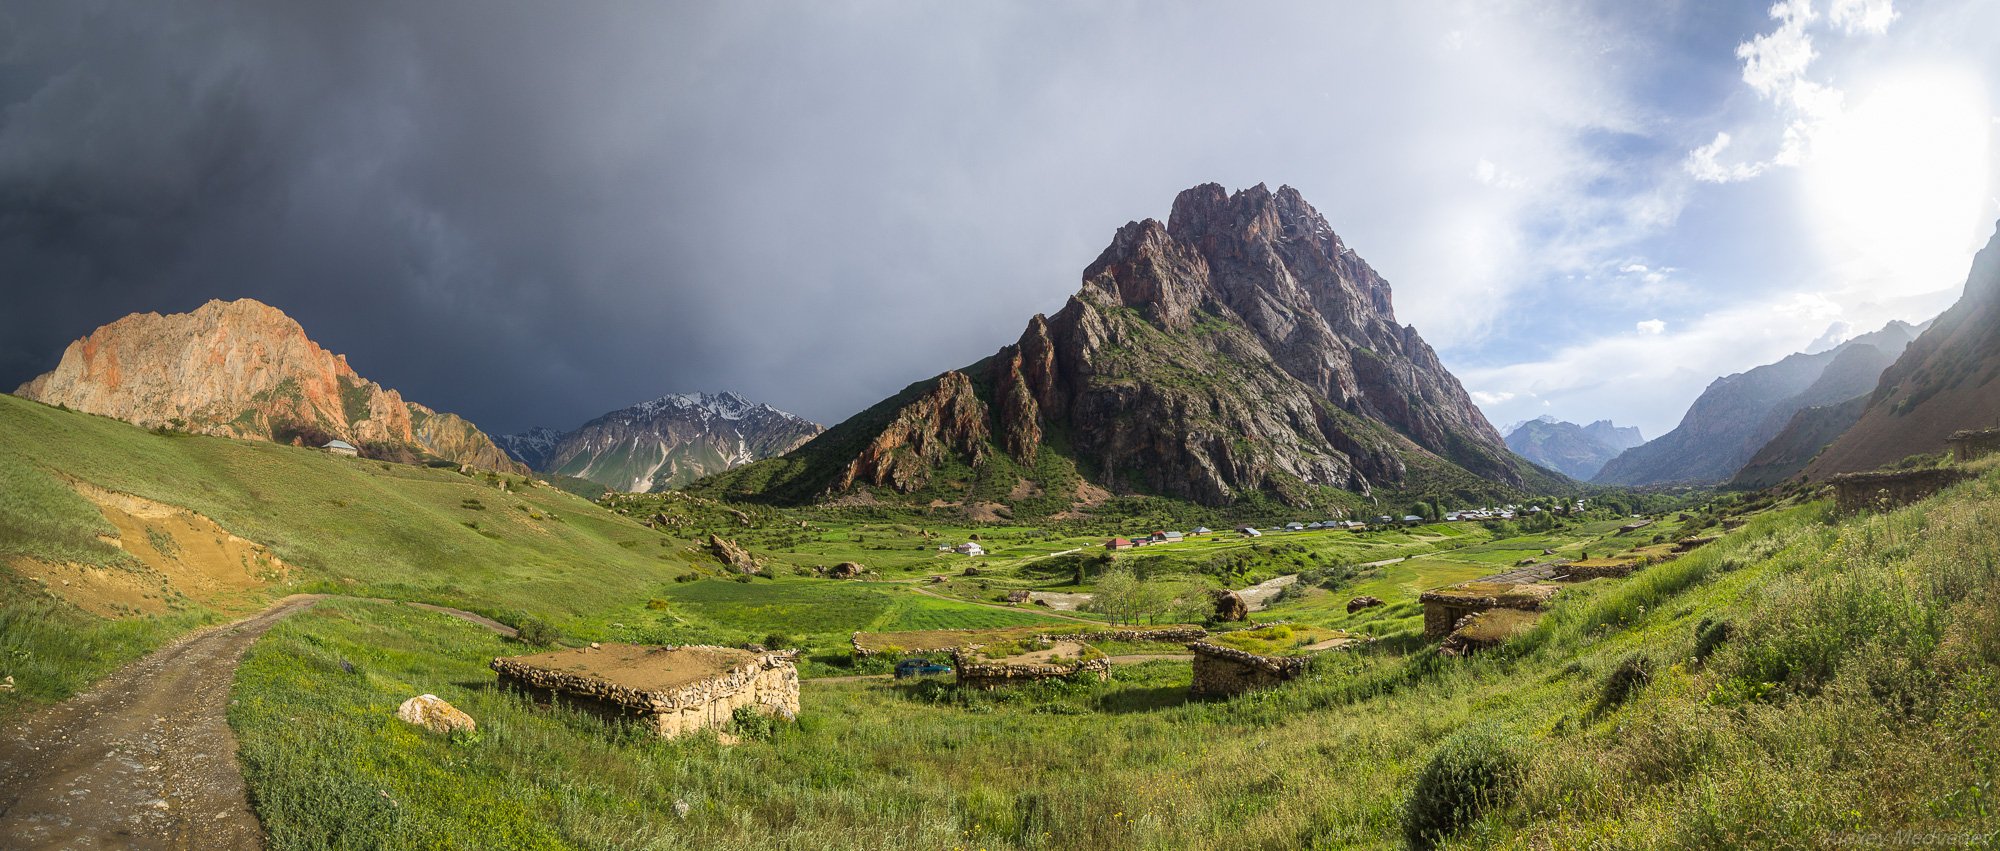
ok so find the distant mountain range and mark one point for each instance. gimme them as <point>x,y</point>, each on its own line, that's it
<point>1570,449</point>
<point>244,369</point>
<point>664,443</point>
<point>1241,347</point>
<point>1943,382</point>
<point>1739,414</point>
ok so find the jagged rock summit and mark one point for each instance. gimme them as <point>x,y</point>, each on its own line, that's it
<point>244,369</point>
<point>1238,347</point>
<point>666,442</point>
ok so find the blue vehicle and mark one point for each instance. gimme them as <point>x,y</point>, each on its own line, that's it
<point>919,668</point>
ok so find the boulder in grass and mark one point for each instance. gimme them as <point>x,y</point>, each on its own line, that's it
<point>431,713</point>
<point>1363,602</point>
<point>1230,606</point>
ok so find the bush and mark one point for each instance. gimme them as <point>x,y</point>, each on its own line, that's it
<point>538,632</point>
<point>750,723</point>
<point>1626,678</point>
<point>1709,636</point>
<point>1475,770</point>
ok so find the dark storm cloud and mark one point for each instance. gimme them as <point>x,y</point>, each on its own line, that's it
<point>531,213</point>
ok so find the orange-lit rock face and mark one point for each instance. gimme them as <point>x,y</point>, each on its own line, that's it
<point>244,369</point>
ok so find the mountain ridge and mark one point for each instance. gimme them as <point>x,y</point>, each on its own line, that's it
<point>1573,450</point>
<point>1738,414</point>
<point>1940,383</point>
<point>1239,347</point>
<point>665,442</point>
<point>245,369</point>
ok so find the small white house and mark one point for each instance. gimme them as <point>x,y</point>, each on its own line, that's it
<point>1201,530</point>
<point>1250,532</point>
<point>970,548</point>
<point>1295,527</point>
<point>342,447</point>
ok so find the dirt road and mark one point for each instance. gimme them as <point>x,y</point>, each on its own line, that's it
<point>145,759</point>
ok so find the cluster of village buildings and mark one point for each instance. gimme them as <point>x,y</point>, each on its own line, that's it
<point>1504,512</point>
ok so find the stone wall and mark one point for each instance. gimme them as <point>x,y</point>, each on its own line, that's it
<point>987,675</point>
<point>1223,671</point>
<point>1166,635</point>
<point>768,681</point>
<point>1973,444</point>
<point>1445,607</point>
<point>1858,492</point>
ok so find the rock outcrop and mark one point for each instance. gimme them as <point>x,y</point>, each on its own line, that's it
<point>244,369</point>
<point>733,555</point>
<point>1942,383</point>
<point>1239,347</point>
<point>665,443</point>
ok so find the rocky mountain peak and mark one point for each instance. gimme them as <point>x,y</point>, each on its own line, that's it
<point>1239,346</point>
<point>245,369</point>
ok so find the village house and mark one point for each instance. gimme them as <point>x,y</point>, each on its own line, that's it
<point>970,548</point>
<point>1202,530</point>
<point>342,448</point>
<point>1167,537</point>
<point>670,690</point>
<point>1118,544</point>
<point>1295,527</point>
<point>1445,607</point>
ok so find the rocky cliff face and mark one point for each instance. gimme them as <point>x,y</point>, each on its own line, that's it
<point>1942,383</point>
<point>1241,346</point>
<point>664,443</point>
<point>1570,449</point>
<point>244,369</point>
<point>1738,414</point>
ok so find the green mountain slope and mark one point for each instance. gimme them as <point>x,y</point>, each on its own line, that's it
<point>352,526</point>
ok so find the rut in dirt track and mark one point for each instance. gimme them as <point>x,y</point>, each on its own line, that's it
<point>145,759</point>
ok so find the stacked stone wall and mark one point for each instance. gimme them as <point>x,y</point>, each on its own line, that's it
<point>1857,492</point>
<point>769,682</point>
<point>1223,671</point>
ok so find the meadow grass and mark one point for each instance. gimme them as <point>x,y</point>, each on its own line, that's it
<point>1854,696</point>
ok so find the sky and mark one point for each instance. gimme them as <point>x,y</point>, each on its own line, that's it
<point>533,213</point>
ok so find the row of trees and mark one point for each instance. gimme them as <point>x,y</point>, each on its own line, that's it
<point>1127,599</point>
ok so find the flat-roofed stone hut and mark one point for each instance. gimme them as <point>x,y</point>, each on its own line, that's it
<point>1973,444</point>
<point>1873,491</point>
<point>672,690</point>
<point>981,667</point>
<point>1221,670</point>
<point>1445,607</point>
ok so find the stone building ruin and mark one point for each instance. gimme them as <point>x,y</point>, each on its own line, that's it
<point>671,690</point>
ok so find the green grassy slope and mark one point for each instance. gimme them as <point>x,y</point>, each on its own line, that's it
<point>349,526</point>
<point>1853,695</point>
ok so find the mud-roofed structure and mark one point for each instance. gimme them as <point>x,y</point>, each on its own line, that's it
<point>672,690</point>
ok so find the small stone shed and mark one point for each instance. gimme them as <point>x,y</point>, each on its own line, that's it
<point>1858,492</point>
<point>1061,659</point>
<point>1221,671</point>
<point>1973,444</point>
<point>1445,607</point>
<point>672,690</point>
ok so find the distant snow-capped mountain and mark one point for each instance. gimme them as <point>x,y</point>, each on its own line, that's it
<point>664,443</point>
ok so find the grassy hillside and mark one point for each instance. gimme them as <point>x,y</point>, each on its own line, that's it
<point>345,525</point>
<point>1800,683</point>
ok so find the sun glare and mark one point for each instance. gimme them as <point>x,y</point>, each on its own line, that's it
<point>1898,180</point>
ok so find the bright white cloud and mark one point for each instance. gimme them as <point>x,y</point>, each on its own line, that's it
<point>1652,326</point>
<point>1486,398</point>
<point>1705,165</point>
<point>1859,16</point>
